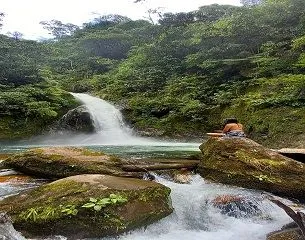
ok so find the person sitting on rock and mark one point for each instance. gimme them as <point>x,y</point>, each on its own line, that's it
<point>232,128</point>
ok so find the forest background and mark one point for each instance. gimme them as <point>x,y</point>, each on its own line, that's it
<point>178,77</point>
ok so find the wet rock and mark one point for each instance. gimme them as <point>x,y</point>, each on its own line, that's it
<point>86,206</point>
<point>59,162</point>
<point>243,162</point>
<point>237,206</point>
<point>182,176</point>
<point>7,231</point>
<point>297,216</point>
<point>77,120</point>
<point>288,234</point>
<point>4,156</point>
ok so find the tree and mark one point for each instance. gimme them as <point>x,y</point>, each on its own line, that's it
<point>59,29</point>
<point>153,13</point>
<point>106,21</point>
<point>1,18</point>
<point>250,2</point>
<point>214,12</point>
<point>16,35</point>
<point>177,19</point>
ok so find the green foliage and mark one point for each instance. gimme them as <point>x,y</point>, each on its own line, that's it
<point>28,109</point>
<point>98,204</point>
<point>31,214</point>
<point>1,18</point>
<point>59,29</point>
<point>175,78</point>
<point>69,210</point>
<point>19,61</point>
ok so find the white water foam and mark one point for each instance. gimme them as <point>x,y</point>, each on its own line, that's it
<point>110,129</point>
<point>195,217</point>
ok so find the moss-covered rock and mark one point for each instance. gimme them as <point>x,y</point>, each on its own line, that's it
<point>59,162</point>
<point>4,156</point>
<point>59,207</point>
<point>243,162</point>
<point>77,120</point>
<point>288,234</point>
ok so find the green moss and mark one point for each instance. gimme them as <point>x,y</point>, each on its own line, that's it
<point>113,158</point>
<point>37,151</point>
<point>14,127</point>
<point>87,152</point>
<point>153,194</point>
<point>244,163</point>
<point>53,163</point>
<point>60,198</point>
<point>274,127</point>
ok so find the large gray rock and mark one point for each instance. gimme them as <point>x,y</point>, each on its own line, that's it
<point>243,162</point>
<point>59,208</point>
<point>77,120</point>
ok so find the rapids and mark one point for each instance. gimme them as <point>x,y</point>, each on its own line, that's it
<point>194,216</point>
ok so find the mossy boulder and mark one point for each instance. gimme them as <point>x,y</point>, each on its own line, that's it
<point>60,162</point>
<point>58,208</point>
<point>77,120</point>
<point>287,234</point>
<point>243,162</point>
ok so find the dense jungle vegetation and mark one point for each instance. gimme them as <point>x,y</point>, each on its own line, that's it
<point>178,77</point>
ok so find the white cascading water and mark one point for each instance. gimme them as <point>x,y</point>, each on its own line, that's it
<point>194,216</point>
<point>110,128</point>
<point>108,120</point>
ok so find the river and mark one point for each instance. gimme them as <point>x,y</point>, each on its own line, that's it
<point>194,216</point>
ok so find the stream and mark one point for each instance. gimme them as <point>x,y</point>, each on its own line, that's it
<point>195,216</point>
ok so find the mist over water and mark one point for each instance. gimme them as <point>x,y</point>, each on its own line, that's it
<point>110,129</point>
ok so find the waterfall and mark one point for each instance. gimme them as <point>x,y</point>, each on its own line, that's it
<point>108,120</point>
<point>108,123</point>
<point>110,130</point>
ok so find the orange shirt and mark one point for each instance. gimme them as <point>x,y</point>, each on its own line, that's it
<point>232,127</point>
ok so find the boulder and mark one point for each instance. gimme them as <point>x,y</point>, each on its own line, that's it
<point>297,154</point>
<point>77,120</point>
<point>59,162</point>
<point>88,206</point>
<point>182,176</point>
<point>7,231</point>
<point>243,162</point>
<point>286,234</point>
<point>237,206</point>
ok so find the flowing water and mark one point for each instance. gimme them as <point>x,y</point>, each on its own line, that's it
<point>194,217</point>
